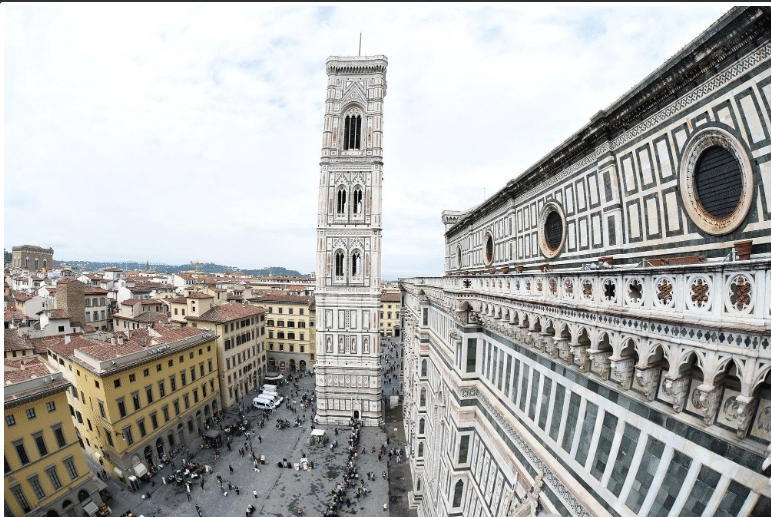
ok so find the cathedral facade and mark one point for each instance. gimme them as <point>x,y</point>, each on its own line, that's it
<point>599,344</point>
<point>349,229</point>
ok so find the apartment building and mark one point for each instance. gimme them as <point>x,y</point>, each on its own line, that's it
<point>134,400</point>
<point>290,324</point>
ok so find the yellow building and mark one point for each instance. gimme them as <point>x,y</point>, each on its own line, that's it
<point>45,470</point>
<point>241,354</point>
<point>194,303</point>
<point>290,323</point>
<point>97,308</point>
<point>390,314</point>
<point>135,400</point>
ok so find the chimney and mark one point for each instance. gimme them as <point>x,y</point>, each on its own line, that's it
<point>112,341</point>
<point>120,340</point>
<point>66,338</point>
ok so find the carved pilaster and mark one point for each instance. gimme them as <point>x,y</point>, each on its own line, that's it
<point>648,377</point>
<point>621,370</point>
<point>745,411</point>
<point>678,390</point>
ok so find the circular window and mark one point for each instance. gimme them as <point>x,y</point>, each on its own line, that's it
<point>551,230</point>
<point>716,181</point>
<point>489,248</point>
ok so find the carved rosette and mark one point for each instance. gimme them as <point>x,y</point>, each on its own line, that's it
<point>744,414</point>
<point>709,400</point>
<point>621,370</point>
<point>678,390</point>
<point>648,377</point>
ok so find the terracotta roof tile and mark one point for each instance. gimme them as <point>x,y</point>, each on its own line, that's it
<point>199,295</point>
<point>391,297</point>
<point>228,312</point>
<point>13,341</point>
<point>25,370</point>
<point>56,314</point>
<point>94,290</point>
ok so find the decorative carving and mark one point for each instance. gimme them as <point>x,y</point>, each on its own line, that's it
<point>664,291</point>
<point>539,286</point>
<point>635,292</point>
<point>699,293</point>
<point>601,362</point>
<point>587,288</point>
<point>677,390</point>
<point>648,377</point>
<point>745,411</point>
<point>741,292</point>
<point>553,286</point>
<point>706,400</point>
<point>569,287</point>
<point>622,369</point>
<point>580,356</point>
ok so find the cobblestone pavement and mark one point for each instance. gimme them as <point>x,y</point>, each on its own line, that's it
<point>280,492</point>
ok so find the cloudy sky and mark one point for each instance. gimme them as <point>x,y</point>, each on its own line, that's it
<point>173,133</point>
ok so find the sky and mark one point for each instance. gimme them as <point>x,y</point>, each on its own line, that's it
<point>174,133</point>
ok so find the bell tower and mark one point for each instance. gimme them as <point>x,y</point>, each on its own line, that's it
<point>349,229</point>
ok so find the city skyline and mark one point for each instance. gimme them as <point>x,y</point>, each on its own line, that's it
<point>176,137</point>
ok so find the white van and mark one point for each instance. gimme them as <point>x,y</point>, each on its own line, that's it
<point>262,404</point>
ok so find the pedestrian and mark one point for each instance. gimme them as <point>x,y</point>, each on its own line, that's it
<point>384,475</point>
<point>255,494</point>
<point>152,480</point>
<point>238,492</point>
<point>201,483</point>
<point>198,510</point>
<point>188,496</point>
<point>231,468</point>
<point>260,437</point>
<point>379,455</point>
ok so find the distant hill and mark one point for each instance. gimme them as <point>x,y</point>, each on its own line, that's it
<point>85,265</point>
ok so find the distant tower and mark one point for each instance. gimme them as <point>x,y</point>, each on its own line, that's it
<point>348,245</point>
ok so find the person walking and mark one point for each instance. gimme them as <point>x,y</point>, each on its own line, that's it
<point>198,510</point>
<point>231,468</point>
<point>255,494</point>
<point>188,496</point>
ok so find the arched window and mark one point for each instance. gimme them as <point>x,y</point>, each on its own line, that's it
<point>339,264</point>
<point>422,426</point>
<point>45,264</point>
<point>342,196</point>
<point>356,263</point>
<point>420,450</point>
<point>424,368</point>
<point>26,262</point>
<point>36,264</point>
<point>352,138</point>
<point>419,485</point>
<point>456,499</point>
<point>422,397</point>
<point>358,207</point>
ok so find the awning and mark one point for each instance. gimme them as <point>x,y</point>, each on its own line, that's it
<point>97,455</point>
<point>140,470</point>
<point>212,433</point>
<point>318,432</point>
<point>91,508</point>
<point>118,472</point>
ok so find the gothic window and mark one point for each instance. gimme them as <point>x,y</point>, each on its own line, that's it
<point>356,263</point>
<point>341,200</point>
<point>358,207</point>
<point>458,496</point>
<point>352,138</point>
<point>339,262</point>
<point>488,250</point>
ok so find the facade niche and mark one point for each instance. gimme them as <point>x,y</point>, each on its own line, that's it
<point>352,140</point>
